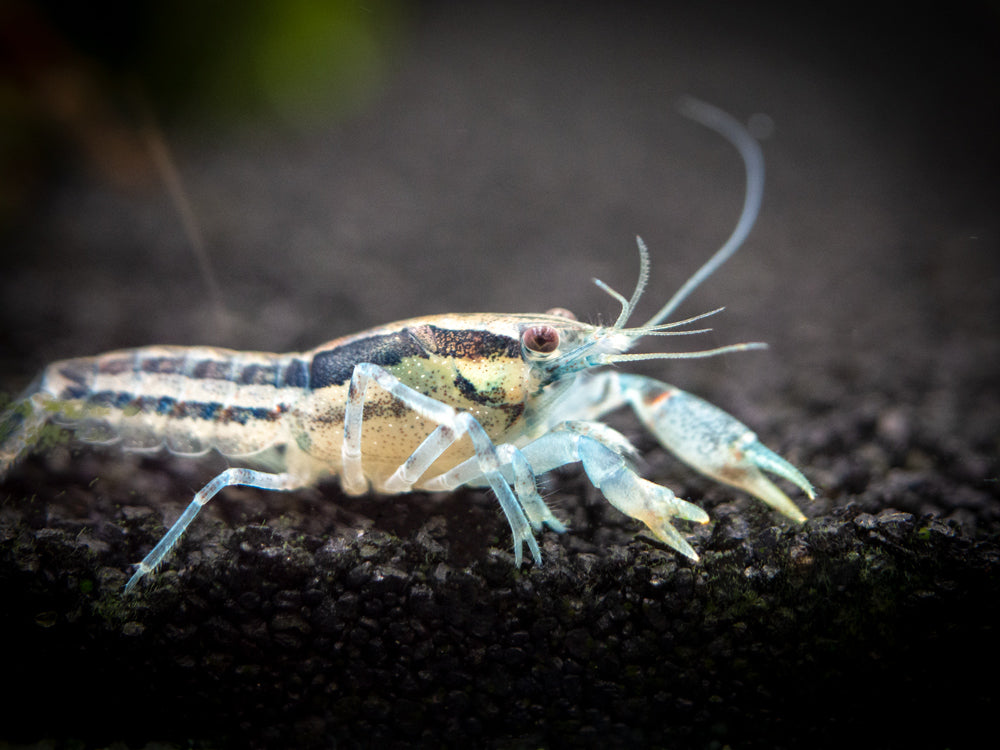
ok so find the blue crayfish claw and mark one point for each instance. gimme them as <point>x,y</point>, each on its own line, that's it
<point>713,442</point>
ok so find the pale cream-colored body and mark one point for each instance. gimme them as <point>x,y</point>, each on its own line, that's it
<point>428,403</point>
<point>498,396</point>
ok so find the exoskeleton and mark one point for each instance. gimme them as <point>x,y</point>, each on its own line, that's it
<point>491,400</point>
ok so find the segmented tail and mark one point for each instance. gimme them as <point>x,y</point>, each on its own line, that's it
<point>188,400</point>
<point>20,428</point>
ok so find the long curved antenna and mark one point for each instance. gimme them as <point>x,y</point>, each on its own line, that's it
<point>753,161</point>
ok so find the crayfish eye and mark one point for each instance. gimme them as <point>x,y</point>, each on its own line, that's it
<point>561,312</point>
<point>541,339</point>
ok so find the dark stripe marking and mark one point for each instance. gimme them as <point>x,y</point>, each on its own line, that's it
<point>492,397</point>
<point>473,344</point>
<point>296,375</point>
<point>162,365</point>
<point>257,375</point>
<point>212,369</point>
<point>293,374</point>
<point>495,398</point>
<point>335,366</point>
<point>77,370</point>
<point>171,407</point>
<point>108,366</point>
<point>198,410</point>
<point>105,399</point>
<point>73,392</point>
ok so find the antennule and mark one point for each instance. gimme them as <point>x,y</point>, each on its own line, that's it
<point>640,284</point>
<point>628,306</point>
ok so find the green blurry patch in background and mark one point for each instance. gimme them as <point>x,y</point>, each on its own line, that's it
<point>298,60</point>
<point>78,81</point>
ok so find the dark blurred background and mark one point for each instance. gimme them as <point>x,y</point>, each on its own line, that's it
<point>494,156</point>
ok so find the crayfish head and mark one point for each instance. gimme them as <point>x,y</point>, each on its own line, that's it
<point>556,344</point>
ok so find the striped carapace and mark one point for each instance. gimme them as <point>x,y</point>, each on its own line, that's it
<point>426,404</point>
